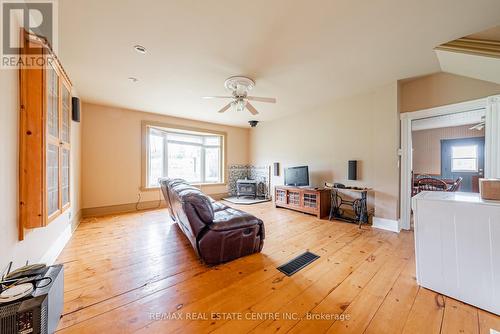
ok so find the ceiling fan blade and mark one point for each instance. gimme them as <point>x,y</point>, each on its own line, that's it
<point>251,108</point>
<point>262,99</point>
<point>217,97</point>
<point>478,127</point>
<point>226,107</point>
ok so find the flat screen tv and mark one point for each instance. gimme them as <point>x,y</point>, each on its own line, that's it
<point>297,176</point>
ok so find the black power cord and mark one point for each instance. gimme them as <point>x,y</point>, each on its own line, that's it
<point>139,197</point>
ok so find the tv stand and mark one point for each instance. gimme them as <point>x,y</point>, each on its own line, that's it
<point>304,199</point>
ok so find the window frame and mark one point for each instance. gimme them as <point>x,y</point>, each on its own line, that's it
<point>179,129</point>
<point>476,158</point>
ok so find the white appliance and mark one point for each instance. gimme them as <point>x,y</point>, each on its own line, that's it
<point>457,245</point>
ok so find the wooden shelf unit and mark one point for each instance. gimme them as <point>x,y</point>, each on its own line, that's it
<point>307,200</point>
<point>44,137</point>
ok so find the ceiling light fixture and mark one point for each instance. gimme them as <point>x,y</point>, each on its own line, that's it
<point>133,79</point>
<point>141,49</point>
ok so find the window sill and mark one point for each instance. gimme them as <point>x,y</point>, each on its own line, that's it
<point>193,184</point>
<point>213,184</point>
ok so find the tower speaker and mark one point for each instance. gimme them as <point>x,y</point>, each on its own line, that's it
<point>352,170</point>
<point>75,109</point>
<point>276,169</point>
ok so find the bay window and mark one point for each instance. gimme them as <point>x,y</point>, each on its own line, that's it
<point>194,156</point>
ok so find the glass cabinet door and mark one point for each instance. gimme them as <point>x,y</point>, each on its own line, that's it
<point>52,153</point>
<point>65,138</point>
<point>52,173</point>
<point>294,198</point>
<point>65,111</point>
<point>65,176</point>
<point>310,200</point>
<point>52,83</point>
<point>281,196</point>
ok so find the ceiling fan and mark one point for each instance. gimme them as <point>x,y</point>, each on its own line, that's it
<point>480,125</point>
<point>240,86</point>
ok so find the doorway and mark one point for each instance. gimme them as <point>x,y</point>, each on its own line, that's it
<point>448,152</point>
<point>491,108</point>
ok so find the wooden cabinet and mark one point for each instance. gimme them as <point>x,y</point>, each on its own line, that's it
<point>308,200</point>
<point>44,143</point>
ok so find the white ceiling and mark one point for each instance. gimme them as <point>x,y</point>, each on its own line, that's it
<point>305,53</point>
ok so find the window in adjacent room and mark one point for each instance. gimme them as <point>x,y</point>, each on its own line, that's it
<point>196,157</point>
<point>464,158</point>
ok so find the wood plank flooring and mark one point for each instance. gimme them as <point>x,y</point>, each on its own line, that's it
<point>137,273</point>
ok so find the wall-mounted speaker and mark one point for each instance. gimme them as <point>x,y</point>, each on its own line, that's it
<point>276,169</point>
<point>75,109</point>
<point>352,172</point>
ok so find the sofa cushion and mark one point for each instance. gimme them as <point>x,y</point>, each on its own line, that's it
<point>230,218</point>
<point>193,199</point>
<point>217,206</point>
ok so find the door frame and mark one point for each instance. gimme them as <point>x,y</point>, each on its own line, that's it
<point>491,105</point>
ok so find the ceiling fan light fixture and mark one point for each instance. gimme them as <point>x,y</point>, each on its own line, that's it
<point>240,105</point>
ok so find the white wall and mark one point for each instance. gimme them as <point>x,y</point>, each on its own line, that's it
<point>37,242</point>
<point>363,127</point>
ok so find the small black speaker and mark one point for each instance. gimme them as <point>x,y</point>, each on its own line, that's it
<point>75,109</point>
<point>276,169</point>
<point>352,170</point>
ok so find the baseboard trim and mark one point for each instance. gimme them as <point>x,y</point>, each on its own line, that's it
<point>75,222</point>
<point>122,208</point>
<point>50,256</point>
<point>386,224</point>
<point>132,207</point>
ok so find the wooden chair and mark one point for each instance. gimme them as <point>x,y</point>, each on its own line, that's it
<point>456,185</point>
<point>414,189</point>
<point>431,184</point>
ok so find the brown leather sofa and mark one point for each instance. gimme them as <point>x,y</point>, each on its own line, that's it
<point>217,232</point>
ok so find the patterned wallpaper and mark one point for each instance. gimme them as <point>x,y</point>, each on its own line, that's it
<point>259,173</point>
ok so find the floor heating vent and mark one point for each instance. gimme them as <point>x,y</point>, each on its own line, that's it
<point>292,266</point>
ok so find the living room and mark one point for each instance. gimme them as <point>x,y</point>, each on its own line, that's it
<point>254,106</point>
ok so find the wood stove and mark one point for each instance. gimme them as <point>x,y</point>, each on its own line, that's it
<point>246,187</point>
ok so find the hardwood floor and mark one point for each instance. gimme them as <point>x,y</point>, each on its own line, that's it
<point>132,272</point>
